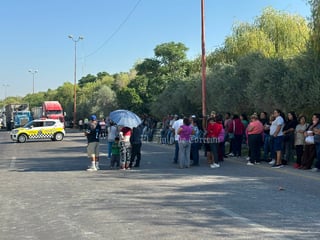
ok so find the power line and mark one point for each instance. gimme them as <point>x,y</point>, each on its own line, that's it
<point>115,31</point>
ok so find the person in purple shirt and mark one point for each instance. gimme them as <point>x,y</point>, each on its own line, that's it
<point>185,131</point>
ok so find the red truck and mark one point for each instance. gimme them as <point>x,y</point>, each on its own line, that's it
<point>52,110</point>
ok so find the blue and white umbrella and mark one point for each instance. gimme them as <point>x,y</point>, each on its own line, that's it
<point>125,118</point>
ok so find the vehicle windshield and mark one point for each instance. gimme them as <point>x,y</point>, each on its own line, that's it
<point>54,112</point>
<point>22,113</point>
<point>29,124</point>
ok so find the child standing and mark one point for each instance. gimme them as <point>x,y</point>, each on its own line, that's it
<point>115,156</point>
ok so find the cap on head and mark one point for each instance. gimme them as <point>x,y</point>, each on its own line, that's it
<point>93,117</point>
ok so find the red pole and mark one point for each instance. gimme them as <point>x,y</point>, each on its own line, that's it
<point>203,66</point>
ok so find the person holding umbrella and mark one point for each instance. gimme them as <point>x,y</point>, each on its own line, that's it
<point>128,120</point>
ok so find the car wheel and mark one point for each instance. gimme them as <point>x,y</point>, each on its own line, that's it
<point>22,138</point>
<point>58,136</point>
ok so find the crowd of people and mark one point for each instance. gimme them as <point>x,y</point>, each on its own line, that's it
<point>275,138</point>
<point>124,143</point>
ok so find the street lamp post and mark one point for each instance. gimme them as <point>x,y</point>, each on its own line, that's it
<point>33,72</point>
<point>5,89</point>
<point>75,40</point>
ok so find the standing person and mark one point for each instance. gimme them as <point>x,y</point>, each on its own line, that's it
<point>213,131</point>
<point>85,123</point>
<point>207,142</point>
<point>228,125</point>
<point>195,143</point>
<point>277,134</point>
<point>80,123</point>
<point>125,150</point>
<point>316,131</point>
<point>255,136</point>
<point>266,137</point>
<point>136,144</point>
<point>309,150</point>
<point>271,142</point>
<point>185,131</point>
<point>266,134</point>
<point>115,157</point>
<point>299,140</point>
<point>175,126</point>
<point>112,134</point>
<point>92,133</point>
<point>103,127</point>
<point>237,128</point>
<point>288,139</point>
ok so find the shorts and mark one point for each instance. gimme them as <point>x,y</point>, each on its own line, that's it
<point>93,149</point>
<point>277,143</point>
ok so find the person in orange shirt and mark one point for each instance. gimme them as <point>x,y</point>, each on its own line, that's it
<point>255,136</point>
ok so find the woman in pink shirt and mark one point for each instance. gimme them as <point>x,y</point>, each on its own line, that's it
<point>255,134</point>
<point>185,131</point>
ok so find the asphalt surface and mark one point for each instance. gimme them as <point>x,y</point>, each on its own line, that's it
<point>47,194</point>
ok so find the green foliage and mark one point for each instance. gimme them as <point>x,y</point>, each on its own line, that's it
<point>87,79</point>
<point>129,99</point>
<point>273,34</point>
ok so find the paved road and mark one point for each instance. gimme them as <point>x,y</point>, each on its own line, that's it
<point>46,194</point>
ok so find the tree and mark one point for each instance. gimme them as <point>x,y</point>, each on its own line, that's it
<point>315,28</point>
<point>104,102</point>
<point>274,34</point>
<point>127,98</point>
<point>87,79</point>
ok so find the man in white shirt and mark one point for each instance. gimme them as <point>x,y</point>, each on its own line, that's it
<point>175,126</point>
<point>277,134</point>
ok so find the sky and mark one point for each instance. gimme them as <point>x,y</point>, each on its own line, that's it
<point>116,35</point>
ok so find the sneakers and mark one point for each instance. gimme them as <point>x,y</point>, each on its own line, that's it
<point>215,165</point>
<point>315,170</point>
<point>250,164</point>
<point>248,158</point>
<point>272,162</point>
<point>97,166</point>
<point>296,165</point>
<point>277,166</point>
<point>230,155</point>
<point>92,169</point>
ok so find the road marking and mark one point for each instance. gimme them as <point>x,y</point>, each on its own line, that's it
<point>12,163</point>
<point>272,233</point>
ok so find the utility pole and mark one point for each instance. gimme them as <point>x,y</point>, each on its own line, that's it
<point>75,79</point>
<point>203,66</point>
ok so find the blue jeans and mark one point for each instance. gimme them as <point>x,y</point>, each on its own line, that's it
<point>184,154</point>
<point>176,152</point>
<point>317,165</point>
<point>266,147</point>
<point>109,149</point>
<point>214,151</point>
<point>195,152</point>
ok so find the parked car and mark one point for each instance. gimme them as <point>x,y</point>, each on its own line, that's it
<point>39,129</point>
